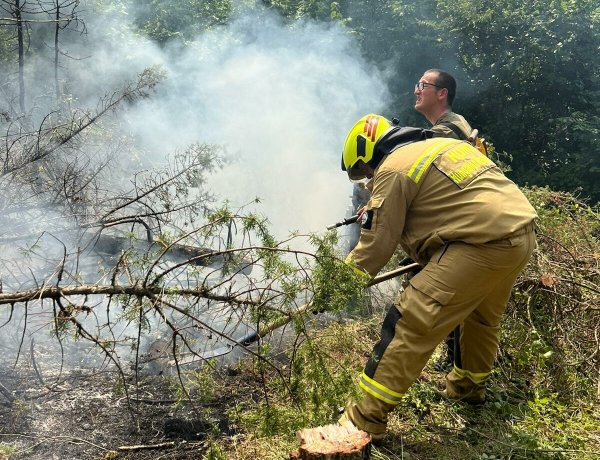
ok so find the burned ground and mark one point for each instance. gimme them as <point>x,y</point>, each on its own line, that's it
<point>85,414</point>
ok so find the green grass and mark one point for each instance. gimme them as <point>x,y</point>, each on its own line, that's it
<point>516,422</point>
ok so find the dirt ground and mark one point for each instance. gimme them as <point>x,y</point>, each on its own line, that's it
<point>82,413</point>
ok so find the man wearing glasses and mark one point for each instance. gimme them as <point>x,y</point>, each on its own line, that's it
<point>435,92</point>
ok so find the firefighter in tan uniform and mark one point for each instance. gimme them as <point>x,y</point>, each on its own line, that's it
<point>453,211</point>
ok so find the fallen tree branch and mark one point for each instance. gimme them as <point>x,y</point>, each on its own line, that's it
<point>6,393</point>
<point>42,439</point>
<point>34,363</point>
<point>57,292</point>
<point>162,445</point>
<point>155,401</point>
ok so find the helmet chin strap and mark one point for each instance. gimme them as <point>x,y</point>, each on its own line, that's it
<point>396,137</point>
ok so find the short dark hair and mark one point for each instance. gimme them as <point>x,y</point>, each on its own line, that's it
<point>445,80</point>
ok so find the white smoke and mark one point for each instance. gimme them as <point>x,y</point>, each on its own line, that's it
<point>280,98</point>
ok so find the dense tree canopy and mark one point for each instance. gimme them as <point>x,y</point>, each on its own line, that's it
<point>528,73</point>
<point>163,20</point>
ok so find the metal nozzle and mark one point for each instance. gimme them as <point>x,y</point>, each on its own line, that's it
<point>348,221</point>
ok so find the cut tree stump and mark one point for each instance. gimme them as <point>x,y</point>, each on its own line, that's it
<point>332,442</point>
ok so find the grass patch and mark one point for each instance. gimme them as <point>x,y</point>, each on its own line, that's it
<point>542,396</point>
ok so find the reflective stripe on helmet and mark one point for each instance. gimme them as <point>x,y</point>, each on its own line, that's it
<point>371,123</point>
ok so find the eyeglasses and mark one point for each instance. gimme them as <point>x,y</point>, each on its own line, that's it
<point>423,84</point>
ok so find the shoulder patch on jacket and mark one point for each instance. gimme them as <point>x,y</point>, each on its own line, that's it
<point>463,163</point>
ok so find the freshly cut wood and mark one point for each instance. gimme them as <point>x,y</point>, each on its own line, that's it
<point>332,442</point>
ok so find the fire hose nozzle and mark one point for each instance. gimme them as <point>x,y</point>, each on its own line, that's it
<point>348,221</point>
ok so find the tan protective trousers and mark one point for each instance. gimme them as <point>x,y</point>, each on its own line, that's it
<point>463,284</point>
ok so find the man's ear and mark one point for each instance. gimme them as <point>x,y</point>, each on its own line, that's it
<point>443,93</point>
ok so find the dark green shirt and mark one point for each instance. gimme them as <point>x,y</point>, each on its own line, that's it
<point>450,124</point>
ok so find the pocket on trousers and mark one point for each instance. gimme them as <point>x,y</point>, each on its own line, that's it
<point>421,305</point>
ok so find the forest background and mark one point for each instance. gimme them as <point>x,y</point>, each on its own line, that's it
<point>528,73</point>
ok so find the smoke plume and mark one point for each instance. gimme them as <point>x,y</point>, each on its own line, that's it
<point>279,97</point>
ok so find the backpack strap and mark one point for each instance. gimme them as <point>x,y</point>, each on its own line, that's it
<point>473,139</point>
<point>455,129</point>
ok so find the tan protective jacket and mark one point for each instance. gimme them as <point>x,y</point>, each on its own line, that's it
<point>433,192</point>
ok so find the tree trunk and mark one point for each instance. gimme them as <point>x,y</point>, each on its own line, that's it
<point>21,46</point>
<point>56,53</point>
<point>332,442</point>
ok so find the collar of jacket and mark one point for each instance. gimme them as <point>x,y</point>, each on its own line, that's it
<point>395,138</point>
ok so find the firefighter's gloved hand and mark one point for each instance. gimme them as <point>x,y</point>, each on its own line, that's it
<point>362,274</point>
<point>406,261</point>
<point>404,282</point>
<point>407,277</point>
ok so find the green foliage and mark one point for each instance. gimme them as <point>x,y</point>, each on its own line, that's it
<point>133,313</point>
<point>202,382</point>
<point>335,284</point>
<point>532,62</point>
<point>273,261</point>
<point>528,73</point>
<point>325,10</point>
<point>215,452</point>
<point>164,21</point>
<point>321,380</point>
<point>7,449</point>
<point>552,329</point>
<point>548,414</point>
<point>318,381</point>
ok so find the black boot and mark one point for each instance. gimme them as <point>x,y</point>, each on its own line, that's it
<point>445,363</point>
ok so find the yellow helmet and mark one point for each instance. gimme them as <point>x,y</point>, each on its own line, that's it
<point>361,142</point>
